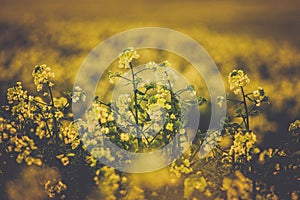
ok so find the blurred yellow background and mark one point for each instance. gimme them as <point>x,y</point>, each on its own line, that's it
<point>260,37</point>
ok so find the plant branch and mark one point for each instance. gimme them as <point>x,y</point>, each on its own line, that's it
<point>135,106</point>
<point>246,110</point>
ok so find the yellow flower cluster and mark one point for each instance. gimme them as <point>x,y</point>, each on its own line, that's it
<point>177,170</point>
<point>294,127</point>
<point>221,100</point>
<point>60,102</point>
<point>133,192</point>
<point>99,152</point>
<point>158,99</point>
<point>98,113</point>
<point>107,181</point>
<point>16,93</point>
<point>126,57</point>
<point>238,187</point>
<point>259,96</point>
<point>163,74</point>
<point>70,135</point>
<point>91,160</point>
<point>124,137</point>
<point>78,94</point>
<point>41,130</point>
<point>65,158</point>
<point>237,79</point>
<point>20,102</point>
<point>113,75</point>
<point>194,183</point>
<point>269,153</point>
<point>169,127</point>
<point>242,145</point>
<point>6,129</point>
<point>53,188</point>
<point>42,75</point>
<point>23,146</point>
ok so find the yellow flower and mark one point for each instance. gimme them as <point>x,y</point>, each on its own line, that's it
<point>65,161</point>
<point>186,162</point>
<point>259,96</point>
<point>166,63</point>
<point>182,131</point>
<point>38,162</point>
<point>42,75</point>
<point>169,127</point>
<point>126,57</point>
<point>59,115</point>
<point>237,79</point>
<point>243,143</point>
<point>78,94</point>
<point>105,130</point>
<point>124,179</point>
<point>102,120</point>
<point>151,65</point>
<point>124,137</point>
<point>168,106</point>
<point>60,156</point>
<point>110,118</point>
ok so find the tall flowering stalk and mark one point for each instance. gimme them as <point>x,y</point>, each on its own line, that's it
<point>242,149</point>
<point>153,107</point>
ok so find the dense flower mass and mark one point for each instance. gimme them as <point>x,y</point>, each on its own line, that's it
<point>42,75</point>
<point>16,93</point>
<point>163,73</point>
<point>238,187</point>
<point>38,130</point>
<point>53,188</point>
<point>237,79</point>
<point>69,135</point>
<point>295,127</point>
<point>107,181</point>
<point>78,94</point>
<point>20,102</point>
<point>242,145</point>
<point>126,57</point>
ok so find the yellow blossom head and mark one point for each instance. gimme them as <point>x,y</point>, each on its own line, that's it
<point>237,79</point>
<point>126,57</point>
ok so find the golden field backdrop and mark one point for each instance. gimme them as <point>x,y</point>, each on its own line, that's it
<point>260,37</point>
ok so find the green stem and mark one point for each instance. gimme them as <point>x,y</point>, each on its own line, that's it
<point>195,153</point>
<point>51,94</point>
<point>55,127</point>
<point>246,110</point>
<point>135,107</point>
<point>233,100</point>
<point>176,140</point>
<point>141,71</point>
<point>251,170</point>
<point>101,102</point>
<point>253,185</point>
<point>124,78</point>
